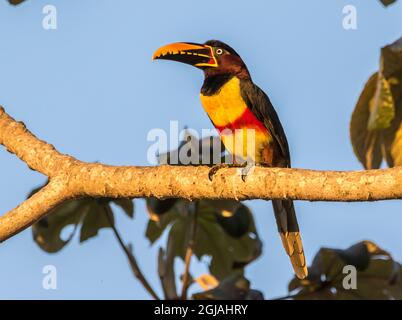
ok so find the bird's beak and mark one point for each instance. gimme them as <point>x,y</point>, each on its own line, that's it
<point>197,55</point>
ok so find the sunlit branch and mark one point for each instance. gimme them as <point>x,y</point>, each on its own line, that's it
<point>71,178</point>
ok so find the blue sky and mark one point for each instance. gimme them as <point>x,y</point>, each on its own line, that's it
<point>90,89</point>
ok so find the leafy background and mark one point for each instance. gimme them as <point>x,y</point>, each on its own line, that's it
<point>71,90</point>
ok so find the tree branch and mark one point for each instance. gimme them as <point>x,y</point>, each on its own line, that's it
<point>32,210</point>
<point>70,178</point>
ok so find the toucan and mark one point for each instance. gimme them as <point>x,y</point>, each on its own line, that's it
<point>235,104</point>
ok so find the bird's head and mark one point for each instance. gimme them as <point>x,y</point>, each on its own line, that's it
<point>213,57</point>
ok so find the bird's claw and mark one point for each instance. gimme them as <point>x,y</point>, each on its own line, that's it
<point>215,169</point>
<point>245,169</point>
<point>243,177</point>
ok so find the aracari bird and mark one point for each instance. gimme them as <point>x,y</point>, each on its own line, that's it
<point>234,103</point>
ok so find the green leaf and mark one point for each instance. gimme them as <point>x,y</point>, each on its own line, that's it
<point>387,2</point>
<point>224,207</point>
<point>46,232</point>
<point>382,109</point>
<point>155,228</point>
<point>126,204</point>
<point>234,287</point>
<point>377,116</point>
<point>86,214</point>
<point>15,2</point>
<point>378,275</point>
<point>387,90</point>
<point>177,236</point>
<point>228,255</point>
<point>396,147</point>
<point>157,207</point>
<point>392,138</point>
<point>391,57</point>
<point>153,232</point>
<point>357,255</point>
<point>235,221</point>
<point>365,142</point>
<point>95,219</point>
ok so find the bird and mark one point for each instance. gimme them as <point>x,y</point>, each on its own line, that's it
<point>235,104</point>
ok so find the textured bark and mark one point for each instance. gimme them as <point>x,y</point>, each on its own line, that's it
<point>70,178</point>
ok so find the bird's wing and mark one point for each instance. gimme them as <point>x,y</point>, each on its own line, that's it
<point>262,108</point>
<point>284,210</point>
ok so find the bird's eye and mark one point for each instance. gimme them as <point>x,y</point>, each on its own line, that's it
<point>219,51</point>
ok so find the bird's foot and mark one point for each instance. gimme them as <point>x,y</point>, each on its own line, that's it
<point>220,166</point>
<point>249,168</point>
<point>246,170</point>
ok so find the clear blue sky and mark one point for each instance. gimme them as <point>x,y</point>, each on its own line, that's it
<point>90,89</point>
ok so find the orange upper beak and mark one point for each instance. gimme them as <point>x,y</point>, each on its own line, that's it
<point>197,55</point>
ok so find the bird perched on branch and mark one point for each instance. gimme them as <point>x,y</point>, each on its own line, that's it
<point>236,106</point>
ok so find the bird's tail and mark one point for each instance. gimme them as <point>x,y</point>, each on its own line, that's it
<point>289,231</point>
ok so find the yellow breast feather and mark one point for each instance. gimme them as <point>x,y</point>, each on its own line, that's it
<point>227,105</point>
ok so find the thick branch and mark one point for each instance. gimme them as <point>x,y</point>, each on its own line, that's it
<point>31,210</point>
<point>71,178</point>
<point>38,155</point>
